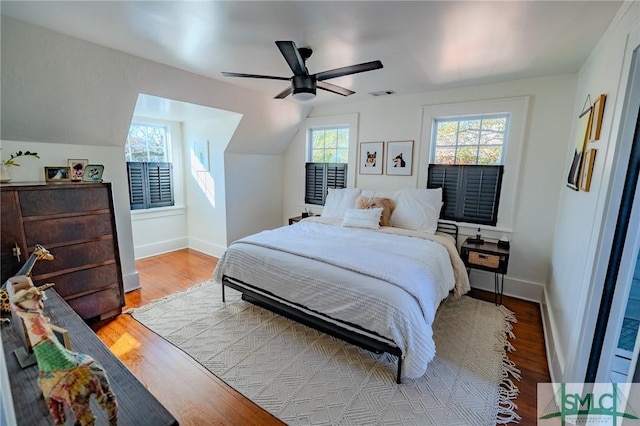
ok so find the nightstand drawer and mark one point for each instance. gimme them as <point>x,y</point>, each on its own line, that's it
<point>483,259</point>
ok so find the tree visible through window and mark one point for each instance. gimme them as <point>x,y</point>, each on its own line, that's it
<point>329,145</point>
<point>147,143</point>
<point>470,140</point>
<point>149,169</point>
<point>467,157</point>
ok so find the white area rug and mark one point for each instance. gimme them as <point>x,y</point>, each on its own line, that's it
<point>305,377</point>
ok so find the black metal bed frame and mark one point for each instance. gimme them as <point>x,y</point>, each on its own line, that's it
<point>319,321</point>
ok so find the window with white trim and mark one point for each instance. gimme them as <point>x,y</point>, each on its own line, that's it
<point>466,161</point>
<point>477,139</point>
<point>327,158</point>
<point>149,168</point>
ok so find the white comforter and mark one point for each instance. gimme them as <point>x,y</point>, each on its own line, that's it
<point>389,281</point>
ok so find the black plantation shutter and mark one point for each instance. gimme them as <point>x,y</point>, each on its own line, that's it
<point>470,193</point>
<point>314,185</point>
<point>150,185</point>
<point>160,184</point>
<point>136,185</point>
<point>321,176</point>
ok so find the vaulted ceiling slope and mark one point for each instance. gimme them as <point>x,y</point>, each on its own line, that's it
<point>424,45</point>
<point>61,89</point>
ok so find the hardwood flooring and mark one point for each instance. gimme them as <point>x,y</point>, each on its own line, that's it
<point>197,397</point>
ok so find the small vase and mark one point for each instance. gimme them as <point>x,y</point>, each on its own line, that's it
<point>5,173</point>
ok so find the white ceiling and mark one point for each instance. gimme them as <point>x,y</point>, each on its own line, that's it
<point>424,45</point>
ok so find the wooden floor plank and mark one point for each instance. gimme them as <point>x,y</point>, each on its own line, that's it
<point>195,396</point>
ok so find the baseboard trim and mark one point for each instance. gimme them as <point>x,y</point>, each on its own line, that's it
<point>206,247</point>
<point>131,282</point>
<point>553,362</point>
<point>526,290</point>
<point>161,247</point>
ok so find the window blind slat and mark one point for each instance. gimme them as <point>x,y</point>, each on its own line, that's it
<point>150,185</point>
<point>321,176</point>
<point>471,193</point>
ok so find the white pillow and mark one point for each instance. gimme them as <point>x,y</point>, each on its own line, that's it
<point>363,218</point>
<point>338,201</point>
<point>416,209</point>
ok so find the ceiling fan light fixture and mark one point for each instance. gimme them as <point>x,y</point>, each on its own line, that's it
<point>304,87</point>
<point>303,95</point>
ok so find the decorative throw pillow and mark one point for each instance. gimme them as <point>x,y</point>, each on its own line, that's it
<point>415,209</point>
<point>386,204</point>
<point>363,218</point>
<point>338,201</point>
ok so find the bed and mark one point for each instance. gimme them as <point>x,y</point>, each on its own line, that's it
<point>377,287</point>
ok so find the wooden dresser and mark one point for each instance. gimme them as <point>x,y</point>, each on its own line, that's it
<point>136,405</point>
<point>75,222</point>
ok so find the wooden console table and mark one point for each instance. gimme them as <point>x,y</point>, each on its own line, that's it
<point>136,405</point>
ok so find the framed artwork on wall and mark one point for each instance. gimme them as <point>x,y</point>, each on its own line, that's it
<point>587,169</point>
<point>597,112</point>
<point>371,158</point>
<point>582,133</point>
<point>201,155</point>
<point>400,158</point>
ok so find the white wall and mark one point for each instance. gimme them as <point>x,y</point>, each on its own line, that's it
<point>53,154</point>
<point>573,293</point>
<point>161,230</point>
<point>254,193</point>
<point>207,190</point>
<point>542,170</point>
<point>61,90</point>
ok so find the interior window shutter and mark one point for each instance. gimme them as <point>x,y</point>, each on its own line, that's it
<point>320,177</point>
<point>481,194</point>
<point>314,183</point>
<point>159,176</point>
<point>136,174</point>
<point>470,193</point>
<point>336,175</point>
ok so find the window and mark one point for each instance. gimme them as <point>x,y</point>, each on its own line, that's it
<point>470,140</point>
<point>467,154</point>
<point>149,169</point>
<point>327,157</point>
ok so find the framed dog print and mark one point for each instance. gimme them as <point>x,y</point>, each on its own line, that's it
<point>400,158</point>
<point>371,158</point>
<point>93,173</point>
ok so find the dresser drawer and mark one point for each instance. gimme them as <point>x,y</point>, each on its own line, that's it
<point>483,259</point>
<point>99,305</point>
<point>52,201</point>
<point>77,228</point>
<point>77,256</point>
<point>83,281</point>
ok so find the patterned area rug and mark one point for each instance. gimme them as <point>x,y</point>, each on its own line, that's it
<point>305,377</point>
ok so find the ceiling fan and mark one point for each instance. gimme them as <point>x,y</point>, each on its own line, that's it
<point>303,85</point>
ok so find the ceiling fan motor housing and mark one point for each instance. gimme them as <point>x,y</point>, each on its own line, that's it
<point>304,85</point>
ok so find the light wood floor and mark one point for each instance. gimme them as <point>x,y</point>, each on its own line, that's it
<point>196,397</point>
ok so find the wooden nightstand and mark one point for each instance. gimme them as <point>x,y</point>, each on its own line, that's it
<point>293,220</point>
<point>487,257</point>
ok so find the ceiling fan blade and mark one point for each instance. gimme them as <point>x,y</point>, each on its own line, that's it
<point>335,89</point>
<point>351,69</point>
<point>269,77</point>
<point>286,92</point>
<point>292,56</point>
